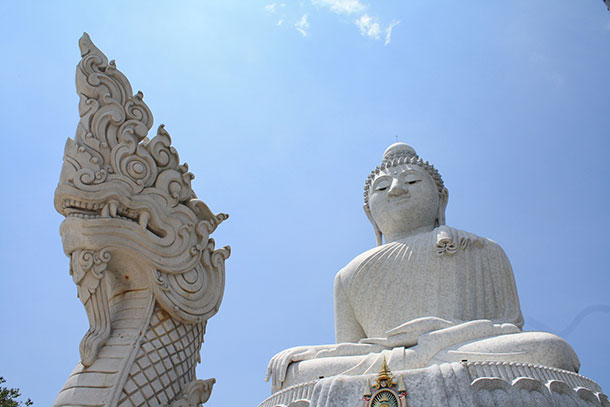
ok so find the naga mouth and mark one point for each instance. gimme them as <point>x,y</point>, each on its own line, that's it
<point>111,209</point>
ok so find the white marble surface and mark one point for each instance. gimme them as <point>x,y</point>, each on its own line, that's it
<point>141,255</point>
<point>428,294</point>
<point>472,384</point>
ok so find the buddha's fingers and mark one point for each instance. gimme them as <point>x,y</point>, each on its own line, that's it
<point>285,362</point>
<point>268,374</point>
<point>405,340</point>
<point>280,366</point>
<point>290,358</point>
<point>272,372</point>
<point>419,326</point>
<point>269,369</point>
<point>374,341</point>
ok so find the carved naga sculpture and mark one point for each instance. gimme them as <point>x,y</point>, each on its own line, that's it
<point>140,249</point>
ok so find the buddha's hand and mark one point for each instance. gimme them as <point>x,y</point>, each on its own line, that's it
<point>406,335</point>
<point>349,349</point>
<point>278,365</point>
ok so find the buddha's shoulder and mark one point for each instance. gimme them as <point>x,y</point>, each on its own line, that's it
<point>444,241</point>
<point>358,261</point>
<point>379,253</point>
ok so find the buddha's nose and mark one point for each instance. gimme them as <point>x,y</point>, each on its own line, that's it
<point>397,188</point>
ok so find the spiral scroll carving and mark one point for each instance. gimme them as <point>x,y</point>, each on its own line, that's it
<point>141,253</point>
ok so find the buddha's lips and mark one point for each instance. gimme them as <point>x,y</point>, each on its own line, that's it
<point>401,197</point>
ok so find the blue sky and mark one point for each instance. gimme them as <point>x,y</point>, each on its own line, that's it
<point>281,110</point>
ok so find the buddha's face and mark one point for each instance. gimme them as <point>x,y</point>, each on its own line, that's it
<point>402,199</point>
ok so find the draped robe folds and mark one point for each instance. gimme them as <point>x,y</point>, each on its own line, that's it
<point>450,292</point>
<point>409,279</point>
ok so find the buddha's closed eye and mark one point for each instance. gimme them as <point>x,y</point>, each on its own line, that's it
<point>382,184</point>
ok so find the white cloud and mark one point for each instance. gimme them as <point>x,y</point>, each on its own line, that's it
<point>302,25</point>
<point>275,7</point>
<point>388,31</point>
<point>369,27</point>
<point>341,6</point>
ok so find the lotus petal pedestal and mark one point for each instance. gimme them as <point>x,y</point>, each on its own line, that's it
<point>480,384</point>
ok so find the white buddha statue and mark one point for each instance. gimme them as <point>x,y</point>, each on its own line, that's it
<point>430,295</point>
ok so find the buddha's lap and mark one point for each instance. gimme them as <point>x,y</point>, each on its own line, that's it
<point>540,348</point>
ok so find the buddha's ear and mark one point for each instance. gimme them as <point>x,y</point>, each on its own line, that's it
<point>378,234</point>
<point>442,205</point>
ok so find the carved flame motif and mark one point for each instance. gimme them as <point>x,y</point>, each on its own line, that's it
<point>140,248</point>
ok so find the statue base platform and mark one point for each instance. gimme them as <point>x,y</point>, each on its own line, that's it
<point>452,385</point>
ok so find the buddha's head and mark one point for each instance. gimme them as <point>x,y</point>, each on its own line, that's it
<point>404,194</point>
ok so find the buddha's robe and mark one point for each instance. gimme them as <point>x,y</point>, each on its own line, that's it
<point>426,275</point>
<point>439,296</point>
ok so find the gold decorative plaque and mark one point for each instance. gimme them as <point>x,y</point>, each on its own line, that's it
<point>383,393</point>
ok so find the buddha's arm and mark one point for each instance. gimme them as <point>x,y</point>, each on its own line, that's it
<point>278,365</point>
<point>276,369</point>
<point>407,334</point>
<point>348,333</point>
<point>347,327</point>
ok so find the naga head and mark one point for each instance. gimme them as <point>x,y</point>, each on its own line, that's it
<point>128,197</point>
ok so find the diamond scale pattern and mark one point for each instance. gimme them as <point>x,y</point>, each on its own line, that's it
<point>165,362</point>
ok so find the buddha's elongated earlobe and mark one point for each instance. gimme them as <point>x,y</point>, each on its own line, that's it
<point>442,205</point>
<point>378,234</point>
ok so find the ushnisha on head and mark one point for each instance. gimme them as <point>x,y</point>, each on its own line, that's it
<point>404,195</point>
